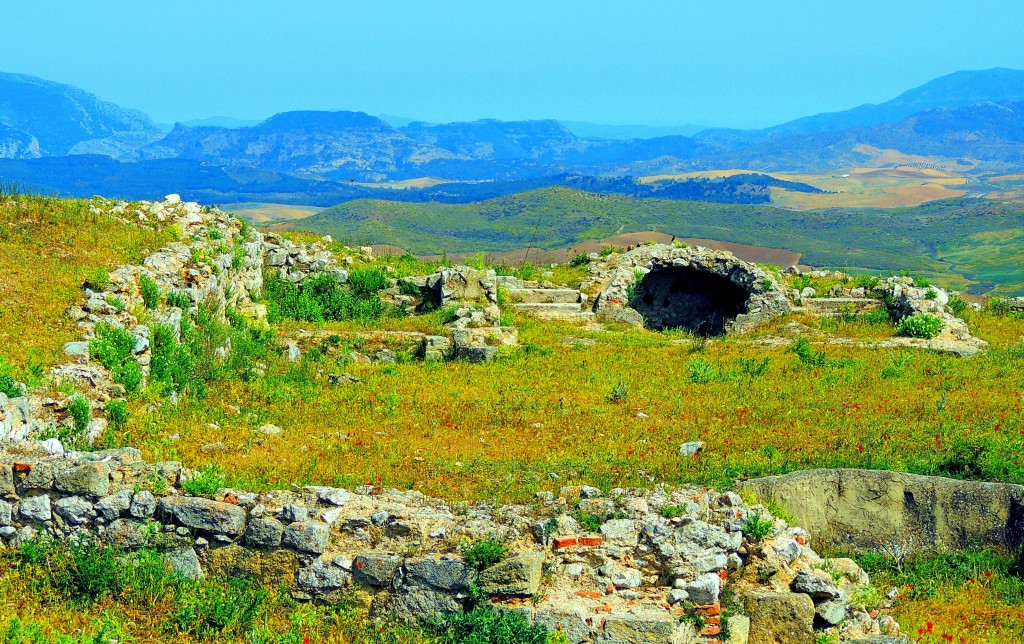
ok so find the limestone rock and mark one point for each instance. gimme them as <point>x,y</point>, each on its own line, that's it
<point>375,569</point>
<point>780,618</point>
<point>264,533</point>
<point>204,514</point>
<point>307,536</point>
<point>185,562</point>
<point>444,573</point>
<point>36,508</point>
<point>91,479</point>
<point>515,577</point>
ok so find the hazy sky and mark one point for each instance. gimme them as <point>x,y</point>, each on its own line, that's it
<point>723,63</point>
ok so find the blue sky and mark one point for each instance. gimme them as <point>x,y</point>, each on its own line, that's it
<point>725,63</point>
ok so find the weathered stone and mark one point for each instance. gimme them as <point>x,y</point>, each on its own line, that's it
<point>114,505</point>
<point>780,618</point>
<point>871,509</point>
<point>204,514</point>
<point>570,621</point>
<point>321,576</point>
<point>704,590</point>
<point>75,510</point>
<point>739,629</point>
<point>264,533</point>
<point>270,430</point>
<point>91,479</point>
<point>620,532</point>
<point>417,604</point>
<point>518,576</point>
<point>307,536</point>
<point>36,508</point>
<point>6,510</point>
<point>185,562</point>
<point>831,612</point>
<point>644,628</point>
<point>6,479</point>
<point>76,349</point>
<point>143,505</point>
<point>375,569</point>
<point>292,513</point>
<point>815,586</point>
<point>445,573</point>
<point>272,568</point>
<point>626,578</point>
<point>127,534</point>
<point>691,448</point>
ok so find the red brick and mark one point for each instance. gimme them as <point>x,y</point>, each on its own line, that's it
<point>605,608</point>
<point>710,611</point>
<point>592,542</point>
<point>713,621</point>
<point>710,630</point>
<point>724,574</point>
<point>589,594</point>
<point>564,542</point>
<point>22,467</point>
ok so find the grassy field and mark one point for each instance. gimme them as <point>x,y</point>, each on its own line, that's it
<point>48,249</point>
<point>600,407</point>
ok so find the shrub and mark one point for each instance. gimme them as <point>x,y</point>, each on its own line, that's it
<point>112,347</point>
<point>673,511</point>
<point>150,291</point>
<point>808,355</point>
<point>365,282</point>
<point>179,300</point>
<point>97,279</point>
<point>581,259</point>
<point>957,304</point>
<point>117,413</point>
<point>921,282</point>
<point>214,234</point>
<point>8,386</point>
<point>619,392</point>
<point>484,554</point>
<point>757,527</point>
<point>206,482</point>
<point>486,625</point>
<point>920,325</point>
<point>81,413</point>
<point>702,372</point>
<point>216,611</point>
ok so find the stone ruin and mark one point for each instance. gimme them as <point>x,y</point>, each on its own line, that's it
<point>703,291</point>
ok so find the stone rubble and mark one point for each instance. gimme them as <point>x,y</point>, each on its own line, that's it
<point>638,577</point>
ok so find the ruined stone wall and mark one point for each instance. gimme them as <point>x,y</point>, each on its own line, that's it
<point>629,580</point>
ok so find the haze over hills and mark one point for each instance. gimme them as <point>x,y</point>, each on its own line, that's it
<point>968,120</point>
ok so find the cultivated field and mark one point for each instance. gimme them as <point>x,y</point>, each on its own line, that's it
<point>267,213</point>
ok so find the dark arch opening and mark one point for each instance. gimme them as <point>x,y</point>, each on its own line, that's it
<point>687,298</point>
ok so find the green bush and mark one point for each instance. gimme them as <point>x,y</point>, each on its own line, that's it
<point>216,611</point>
<point>673,511</point>
<point>484,554</point>
<point>178,299</point>
<point>8,386</point>
<point>757,527</point>
<point>920,325</point>
<point>579,260</point>
<point>150,291</point>
<point>957,304</point>
<point>205,483</point>
<point>808,355</point>
<point>486,625</point>
<point>322,299</point>
<point>112,347</point>
<point>702,372</point>
<point>365,282</point>
<point>81,413</point>
<point>117,414</point>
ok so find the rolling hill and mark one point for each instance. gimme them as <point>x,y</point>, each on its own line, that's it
<point>890,239</point>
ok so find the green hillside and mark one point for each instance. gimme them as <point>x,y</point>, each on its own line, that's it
<point>916,239</point>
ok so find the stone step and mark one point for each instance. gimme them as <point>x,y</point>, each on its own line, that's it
<point>838,305</point>
<point>544,295</point>
<point>555,311</point>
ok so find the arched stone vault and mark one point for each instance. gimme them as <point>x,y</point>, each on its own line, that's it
<point>704,291</point>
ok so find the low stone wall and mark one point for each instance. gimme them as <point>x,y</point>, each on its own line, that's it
<point>632,578</point>
<point>891,511</point>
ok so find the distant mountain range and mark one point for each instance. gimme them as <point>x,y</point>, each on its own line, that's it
<point>973,117</point>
